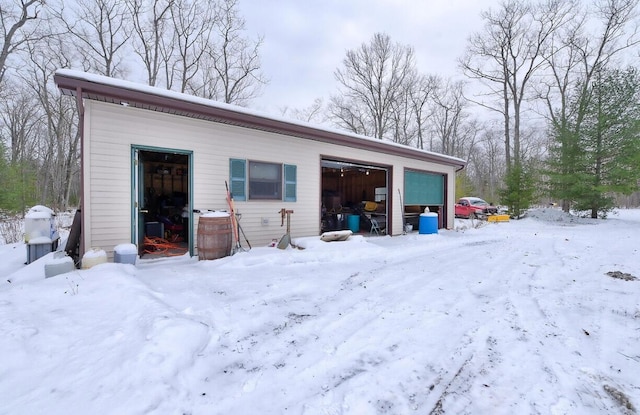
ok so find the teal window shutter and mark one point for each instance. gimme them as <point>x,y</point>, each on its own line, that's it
<point>290,183</point>
<point>238,178</point>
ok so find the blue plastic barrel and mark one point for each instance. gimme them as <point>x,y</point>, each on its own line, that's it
<point>428,223</point>
<point>353,222</point>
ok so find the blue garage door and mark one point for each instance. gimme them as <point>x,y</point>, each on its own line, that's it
<point>423,188</point>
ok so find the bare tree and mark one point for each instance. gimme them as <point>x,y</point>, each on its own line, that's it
<point>350,116</point>
<point>448,116</point>
<point>15,18</point>
<point>193,23</point>
<point>313,113</point>
<point>231,72</point>
<point>420,96</point>
<point>59,137</point>
<point>151,23</point>
<point>175,41</point>
<point>486,164</point>
<point>20,125</point>
<point>579,53</point>
<point>598,33</point>
<point>101,29</point>
<point>19,115</point>
<point>403,117</point>
<point>372,80</point>
<point>507,54</point>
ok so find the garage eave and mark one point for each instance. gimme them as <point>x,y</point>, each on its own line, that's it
<point>105,89</point>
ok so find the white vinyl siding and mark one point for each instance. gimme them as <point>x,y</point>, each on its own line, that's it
<point>111,130</point>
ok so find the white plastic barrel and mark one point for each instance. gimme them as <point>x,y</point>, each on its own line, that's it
<point>93,257</point>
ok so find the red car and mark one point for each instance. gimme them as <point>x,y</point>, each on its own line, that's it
<point>474,207</point>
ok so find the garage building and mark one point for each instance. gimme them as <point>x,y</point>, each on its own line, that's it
<point>153,158</point>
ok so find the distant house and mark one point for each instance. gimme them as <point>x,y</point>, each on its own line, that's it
<point>151,156</point>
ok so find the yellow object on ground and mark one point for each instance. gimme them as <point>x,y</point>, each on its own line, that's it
<point>498,218</point>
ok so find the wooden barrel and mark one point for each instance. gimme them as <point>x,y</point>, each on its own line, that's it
<point>214,237</point>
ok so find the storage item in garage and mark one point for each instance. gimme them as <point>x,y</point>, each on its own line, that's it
<point>171,227</point>
<point>353,222</point>
<point>155,229</point>
<point>214,235</point>
<point>369,206</point>
<point>380,194</point>
<point>332,203</point>
<point>428,223</point>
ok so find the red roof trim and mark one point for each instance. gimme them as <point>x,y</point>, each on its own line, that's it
<point>146,99</point>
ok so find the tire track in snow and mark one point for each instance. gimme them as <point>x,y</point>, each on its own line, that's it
<point>504,340</point>
<point>475,373</point>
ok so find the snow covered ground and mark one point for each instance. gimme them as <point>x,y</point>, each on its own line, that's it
<point>540,315</point>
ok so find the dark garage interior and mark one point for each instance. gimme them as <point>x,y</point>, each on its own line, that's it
<point>354,196</point>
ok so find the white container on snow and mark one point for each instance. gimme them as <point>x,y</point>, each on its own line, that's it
<point>125,254</point>
<point>39,224</point>
<point>61,263</point>
<point>93,257</point>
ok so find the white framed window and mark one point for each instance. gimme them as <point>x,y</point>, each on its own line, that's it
<point>265,180</point>
<point>259,180</point>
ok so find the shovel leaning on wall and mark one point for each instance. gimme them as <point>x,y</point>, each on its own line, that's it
<point>285,241</point>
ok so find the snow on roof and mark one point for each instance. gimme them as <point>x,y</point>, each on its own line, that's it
<point>281,122</point>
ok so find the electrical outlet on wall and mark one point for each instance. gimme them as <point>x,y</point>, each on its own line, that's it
<point>265,221</point>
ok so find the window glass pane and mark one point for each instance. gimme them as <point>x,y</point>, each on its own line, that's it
<point>265,180</point>
<point>263,171</point>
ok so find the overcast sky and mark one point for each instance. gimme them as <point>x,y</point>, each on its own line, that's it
<point>306,40</point>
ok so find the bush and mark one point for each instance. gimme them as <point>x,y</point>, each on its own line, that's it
<point>12,230</point>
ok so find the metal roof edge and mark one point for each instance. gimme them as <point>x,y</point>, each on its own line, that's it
<point>103,88</point>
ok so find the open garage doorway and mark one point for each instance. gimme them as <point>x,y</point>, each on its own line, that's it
<point>161,199</point>
<point>355,196</point>
<point>424,191</point>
